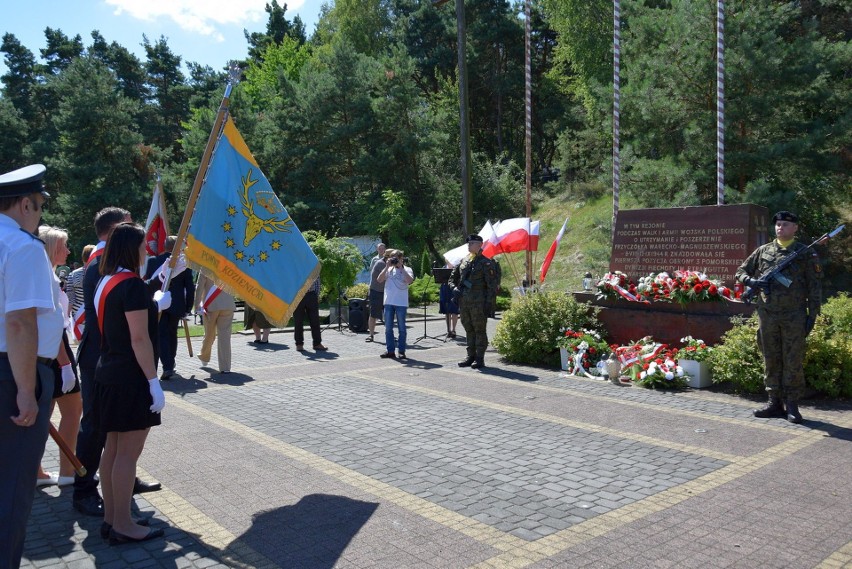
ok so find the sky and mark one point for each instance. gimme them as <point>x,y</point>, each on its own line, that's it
<point>209,32</point>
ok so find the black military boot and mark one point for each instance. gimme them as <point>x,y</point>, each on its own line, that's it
<point>467,362</point>
<point>773,409</point>
<point>478,363</point>
<point>793,414</point>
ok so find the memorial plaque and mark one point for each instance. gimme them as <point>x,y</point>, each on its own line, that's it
<point>712,239</point>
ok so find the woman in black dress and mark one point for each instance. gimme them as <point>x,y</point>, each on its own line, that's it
<point>127,402</point>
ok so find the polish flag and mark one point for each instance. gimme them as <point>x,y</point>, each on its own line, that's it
<point>534,227</point>
<point>457,255</point>
<point>157,224</point>
<point>489,236</point>
<point>551,252</point>
<point>513,235</point>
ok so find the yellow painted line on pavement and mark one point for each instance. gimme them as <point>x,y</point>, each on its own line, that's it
<point>842,558</point>
<point>482,533</point>
<point>553,419</point>
<point>219,540</point>
<point>536,551</point>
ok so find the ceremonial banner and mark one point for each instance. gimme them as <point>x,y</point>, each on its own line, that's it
<point>242,237</point>
<point>157,224</point>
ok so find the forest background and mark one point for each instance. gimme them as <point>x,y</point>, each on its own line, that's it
<point>357,126</point>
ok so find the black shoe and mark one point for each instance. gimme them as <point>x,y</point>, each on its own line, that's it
<point>116,538</point>
<point>402,356</point>
<point>167,374</point>
<point>390,355</point>
<point>90,506</point>
<point>793,414</point>
<point>140,487</point>
<point>478,363</point>
<point>773,409</point>
<point>468,362</point>
<point>106,528</point>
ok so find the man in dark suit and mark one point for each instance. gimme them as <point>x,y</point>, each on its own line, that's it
<point>182,289</point>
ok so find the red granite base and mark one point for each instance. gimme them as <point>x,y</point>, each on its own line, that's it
<point>666,322</point>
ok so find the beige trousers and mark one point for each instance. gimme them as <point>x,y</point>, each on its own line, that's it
<point>217,322</point>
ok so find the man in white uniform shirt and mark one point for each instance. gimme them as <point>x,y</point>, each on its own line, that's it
<point>30,336</point>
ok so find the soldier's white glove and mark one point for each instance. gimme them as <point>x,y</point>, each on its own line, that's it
<point>68,379</point>
<point>163,299</point>
<point>157,395</point>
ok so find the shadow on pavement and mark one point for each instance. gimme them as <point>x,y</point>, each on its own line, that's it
<point>506,373</point>
<point>833,431</point>
<point>311,534</point>
<point>193,384</point>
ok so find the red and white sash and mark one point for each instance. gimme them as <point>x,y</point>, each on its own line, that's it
<point>106,285</point>
<point>80,316</point>
<point>211,296</point>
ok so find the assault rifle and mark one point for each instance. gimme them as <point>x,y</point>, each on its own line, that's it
<point>774,273</point>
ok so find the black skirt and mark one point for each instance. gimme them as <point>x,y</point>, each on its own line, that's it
<point>124,406</point>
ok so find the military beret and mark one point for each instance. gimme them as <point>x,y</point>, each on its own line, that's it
<point>473,237</point>
<point>23,181</point>
<point>785,216</point>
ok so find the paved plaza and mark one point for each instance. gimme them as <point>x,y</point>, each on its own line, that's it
<point>342,459</point>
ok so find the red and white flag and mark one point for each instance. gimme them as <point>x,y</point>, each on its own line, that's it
<point>157,224</point>
<point>513,235</point>
<point>489,239</point>
<point>534,227</point>
<point>545,265</point>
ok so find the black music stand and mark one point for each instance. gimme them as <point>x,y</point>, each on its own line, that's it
<point>341,296</point>
<point>438,276</point>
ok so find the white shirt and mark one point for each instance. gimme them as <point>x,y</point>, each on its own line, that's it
<point>396,291</point>
<point>27,281</point>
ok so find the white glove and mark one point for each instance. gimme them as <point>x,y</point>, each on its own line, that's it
<point>68,378</point>
<point>157,395</point>
<point>163,299</point>
<point>180,266</point>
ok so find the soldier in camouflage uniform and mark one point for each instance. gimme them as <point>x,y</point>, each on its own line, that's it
<point>786,315</point>
<point>475,278</point>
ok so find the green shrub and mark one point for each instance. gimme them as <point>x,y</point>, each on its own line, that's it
<point>359,290</point>
<point>504,302</point>
<point>420,286</point>
<point>737,359</point>
<point>828,357</point>
<point>828,354</point>
<point>529,330</point>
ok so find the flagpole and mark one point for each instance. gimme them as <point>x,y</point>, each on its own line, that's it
<point>162,195</point>
<point>221,115</point>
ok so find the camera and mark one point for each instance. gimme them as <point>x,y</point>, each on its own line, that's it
<point>394,260</point>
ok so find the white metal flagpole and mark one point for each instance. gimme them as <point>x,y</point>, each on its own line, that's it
<point>616,108</point>
<point>720,102</point>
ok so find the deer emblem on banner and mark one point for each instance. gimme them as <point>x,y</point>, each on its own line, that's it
<point>256,224</point>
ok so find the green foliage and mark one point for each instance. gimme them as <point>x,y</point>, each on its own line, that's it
<point>737,359</point>
<point>529,330</point>
<point>358,290</point>
<point>421,286</point>
<point>828,358</point>
<point>341,261</point>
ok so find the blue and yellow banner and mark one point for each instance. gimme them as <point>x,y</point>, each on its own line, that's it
<point>242,237</point>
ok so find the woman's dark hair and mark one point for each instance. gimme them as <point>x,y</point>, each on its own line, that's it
<point>122,249</point>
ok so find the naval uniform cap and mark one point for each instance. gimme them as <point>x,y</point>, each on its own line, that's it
<point>474,237</point>
<point>23,182</point>
<point>785,215</point>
